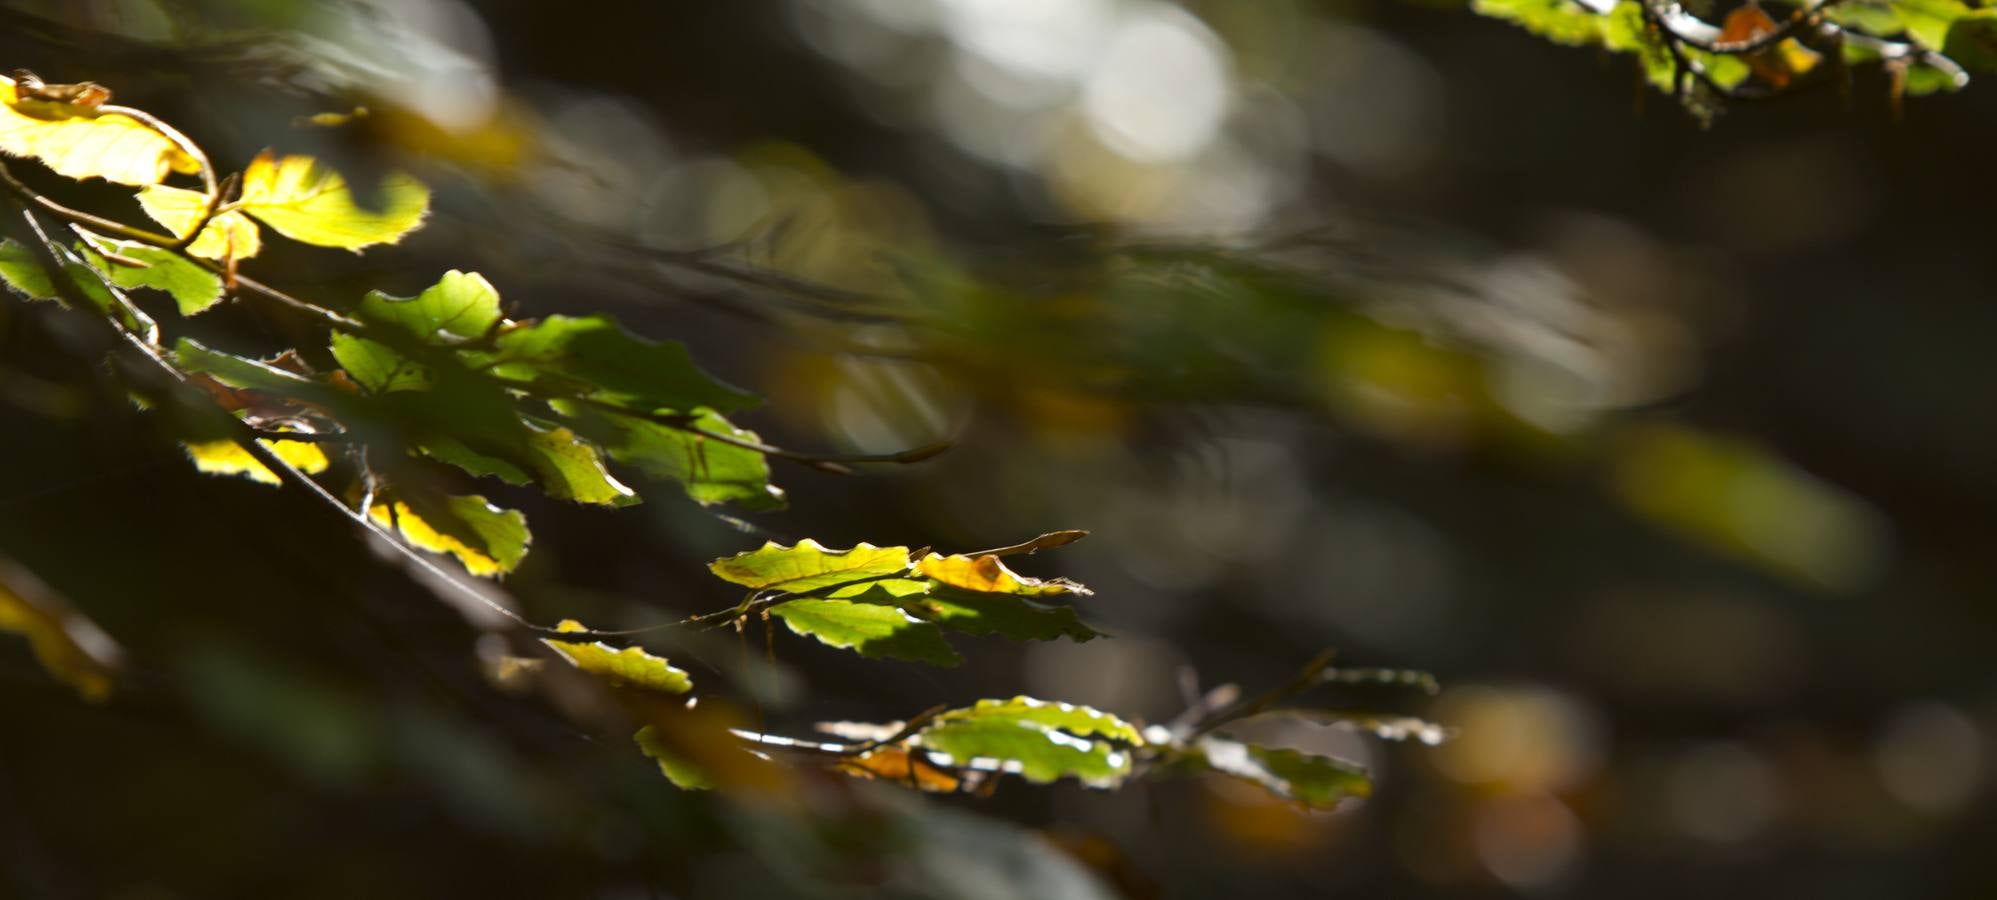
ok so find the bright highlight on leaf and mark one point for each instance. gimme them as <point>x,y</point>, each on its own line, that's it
<point>486,540</point>
<point>987,574</point>
<point>1036,740</point>
<point>629,667</point>
<point>309,202</point>
<point>1317,782</point>
<point>79,141</point>
<point>460,305</point>
<point>808,566</point>
<point>229,458</point>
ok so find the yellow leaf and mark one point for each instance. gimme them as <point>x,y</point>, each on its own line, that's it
<point>987,574</point>
<point>631,666</point>
<point>68,645</point>
<point>307,201</point>
<point>501,534</point>
<point>79,141</point>
<point>229,235</point>
<point>899,764</point>
<point>229,458</point>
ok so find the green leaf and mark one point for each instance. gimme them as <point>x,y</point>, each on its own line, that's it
<point>1009,617</point>
<point>1039,741</point>
<point>566,467</point>
<point>1318,782</point>
<point>868,629</point>
<point>629,667</point>
<point>808,566</point>
<point>486,539</point>
<point>677,769</point>
<point>460,305</point>
<point>1876,19</point>
<point>374,366</point>
<point>307,201</point>
<point>1560,21</point>
<point>236,371</point>
<point>194,289</point>
<point>600,360</point>
<point>712,472</point>
<point>1972,41</point>
<point>1080,721</point>
<point>22,270</point>
<point>1924,79</point>
<point>1929,21</point>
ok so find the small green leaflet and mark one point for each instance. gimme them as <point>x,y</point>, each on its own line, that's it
<point>677,769</point>
<point>22,270</point>
<point>710,471</point>
<point>1039,741</point>
<point>809,566</point>
<point>630,667</point>
<point>461,305</point>
<point>194,289</point>
<point>600,360</point>
<point>1318,782</point>
<point>868,629</point>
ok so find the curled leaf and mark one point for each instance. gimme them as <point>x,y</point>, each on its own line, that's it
<point>80,141</point>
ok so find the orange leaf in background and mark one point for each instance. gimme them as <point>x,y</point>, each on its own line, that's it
<point>1777,65</point>
<point>898,765</point>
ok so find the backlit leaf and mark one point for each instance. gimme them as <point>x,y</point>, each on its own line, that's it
<point>459,305</point>
<point>194,289</point>
<point>868,629</point>
<point>988,574</point>
<point>485,539</point>
<point>1928,21</point>
<point>1318,782</point>
<point>711,471</point>
<point>373,365</point>
<point>229,458</point>
<point>228,235</point>
<point>808,566</point>
<point>605,362</point>
<point>1039,741</point>
<point>902,766</point>
<point>22,271</point>
<point>307,201</point>
<point>79,141</point>
<point>629,667</point>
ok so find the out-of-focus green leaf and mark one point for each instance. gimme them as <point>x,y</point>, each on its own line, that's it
<point>1318,782</point>
<point>70,647</point>
<point>676,768</point>
<point>1560,21</point>
<point>1972,41</point>
<point>194,289</point>
<point>307,201</point>
<point>808,566</point>
<point>629,667</point>
<point>711,472</point>
<point>598,359</point>
<point>1928,21</point>
<point>486,539</point>
<point>868,629</point>
<point>22,271</point>
<point>1874,18</point>
<point>1038,741</point>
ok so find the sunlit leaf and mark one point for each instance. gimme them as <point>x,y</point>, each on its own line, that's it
<point>70,647</point>
<point>194,289</point>
<point>307,201</point>
<point>22,271</point>
<point>1318,782</point>
<point>80,141</point>
<point>228,235</point>
<point>629,667</point>
<point>240,372</point>
<point>564,466</point>
<point>711,471</point>
<point>988,574</point>
<point>902,766</point>
<point>1036,740</point>
<point>459,305</point>
<point>602,361</point>
<point>809,566</point>
<point>375,366</point>
<point>486,539</point>
<point>229,458</point>
<point>868,629</point>
<point>1928,21</point>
